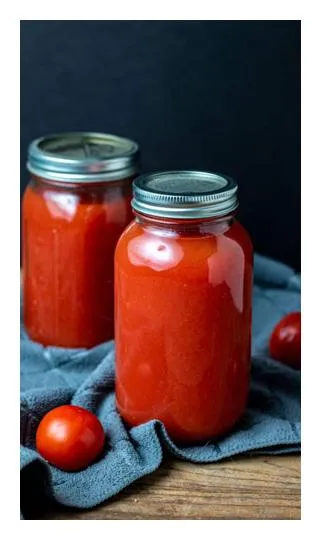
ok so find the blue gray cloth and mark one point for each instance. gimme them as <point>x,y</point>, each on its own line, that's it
<point>54,376</point>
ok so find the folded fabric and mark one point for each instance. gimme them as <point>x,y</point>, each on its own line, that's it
<point>53,376</point>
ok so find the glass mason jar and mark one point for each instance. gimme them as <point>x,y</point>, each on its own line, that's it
<point>183,286</point>
<point>74,209</point>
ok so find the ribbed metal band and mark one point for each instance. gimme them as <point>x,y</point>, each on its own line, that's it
<point>185,194</point>
<point>83,157</point>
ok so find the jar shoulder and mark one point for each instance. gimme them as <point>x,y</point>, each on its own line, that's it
<point>159,250</point>
<point>67,207</point>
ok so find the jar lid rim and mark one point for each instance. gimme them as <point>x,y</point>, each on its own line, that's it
<point>82,156</point>
<point>185,194</point>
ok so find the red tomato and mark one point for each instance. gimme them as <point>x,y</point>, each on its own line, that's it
<point>70,437</point>
<point>285,341</point>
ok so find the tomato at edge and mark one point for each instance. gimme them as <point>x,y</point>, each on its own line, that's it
<point>70,437</point>
<point>285,340</point>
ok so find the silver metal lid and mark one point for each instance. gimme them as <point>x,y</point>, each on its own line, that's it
<point>184,194</point>
<point>83,157</point>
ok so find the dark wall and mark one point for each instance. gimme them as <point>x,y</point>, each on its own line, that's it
<point>217,95</point>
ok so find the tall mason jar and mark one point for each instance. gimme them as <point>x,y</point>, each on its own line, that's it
<point>75,207</point>
<point>183,295</point>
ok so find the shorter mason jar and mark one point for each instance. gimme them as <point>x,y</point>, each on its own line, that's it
<point>183,286</point>
<point>74,209</point>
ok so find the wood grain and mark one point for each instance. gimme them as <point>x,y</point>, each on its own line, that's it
<point>242,488</point>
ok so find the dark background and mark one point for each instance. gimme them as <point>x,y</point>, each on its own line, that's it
<point>216,95</point>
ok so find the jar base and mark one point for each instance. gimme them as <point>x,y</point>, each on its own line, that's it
<point>82,343</point>
<point>178,435</point>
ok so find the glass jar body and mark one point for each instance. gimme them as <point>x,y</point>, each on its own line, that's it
<point>70,233</point>
<point>183,324</point>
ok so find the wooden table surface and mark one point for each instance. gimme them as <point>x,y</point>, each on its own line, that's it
<point>240,488</point>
